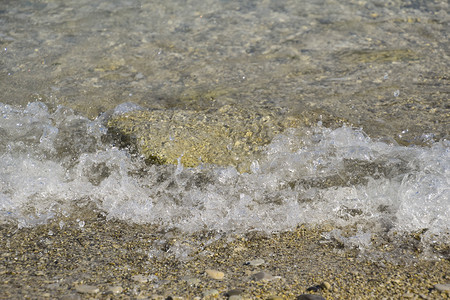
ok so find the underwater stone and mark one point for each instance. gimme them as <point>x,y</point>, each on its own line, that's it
<point>87,289</point>
<point>214,274</point>
<point>255,262</point>
<point>228,136</point>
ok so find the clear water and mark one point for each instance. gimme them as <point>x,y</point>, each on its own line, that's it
<point>380,68</point>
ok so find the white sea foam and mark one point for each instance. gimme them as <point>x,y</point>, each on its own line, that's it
<point>52,163</point>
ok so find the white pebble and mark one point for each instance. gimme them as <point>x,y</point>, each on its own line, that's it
<point>140,278</point>
<point>264,276</point>
<point>87,289</point>
<point>211,293</point>
<point>255,262</point>
<point>442,287</point>
<point>115,290</point>
<point>214,274</point>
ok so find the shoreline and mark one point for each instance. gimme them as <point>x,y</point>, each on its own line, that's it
<point>99,258</point>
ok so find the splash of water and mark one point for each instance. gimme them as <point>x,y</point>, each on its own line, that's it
<point>54,162</point>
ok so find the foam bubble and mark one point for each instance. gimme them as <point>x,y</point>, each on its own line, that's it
<point>52,163</point>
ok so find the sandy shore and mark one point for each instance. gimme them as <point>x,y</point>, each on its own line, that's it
<point>97,258</point>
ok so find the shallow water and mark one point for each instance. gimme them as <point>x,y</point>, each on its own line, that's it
<point>379,68</point>
<point>383,66</point>
<point>57,163</point>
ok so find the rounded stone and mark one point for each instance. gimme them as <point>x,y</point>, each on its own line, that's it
<point>214,274</point>
<point>115,290</point>
<point>192,280</point>
<point>87,289</point>
<point>262,276</point>
<point>255,262</point>
<point>140,278</point>
<point>326,285</point>
<point>441,287</point>
<point>211,293</point>
<point>71,297</point>
<point>234,292</point>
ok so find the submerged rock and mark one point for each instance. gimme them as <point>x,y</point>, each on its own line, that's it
<point>228,136</point>
<point>214,274</point>
<point>87,289</point>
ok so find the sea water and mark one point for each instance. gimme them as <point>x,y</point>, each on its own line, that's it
<point>55,162</point>
<point>377,71</point>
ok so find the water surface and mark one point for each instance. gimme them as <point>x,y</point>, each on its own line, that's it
<point>373,74</point>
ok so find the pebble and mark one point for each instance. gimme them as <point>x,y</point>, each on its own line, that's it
<point>234,292</point>
<point>275,298</point>
<point>192,280</point>
<point>87,289</point>
<point>211,293</point>
<point>263,276</point>
<point>255,262</point>
<point>140,278</point>
<point>71,297</point>
<point>314,288</point>
<point>323,286</point>
<point>53,286</point>
<point>115,290</point>
<point>239,248</point>
<point>214,274</point>
<point>326,285</point>
<point>441,287</point>
<point>310,297</point>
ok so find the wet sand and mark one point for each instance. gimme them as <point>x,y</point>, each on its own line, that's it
<point>101,258</point>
